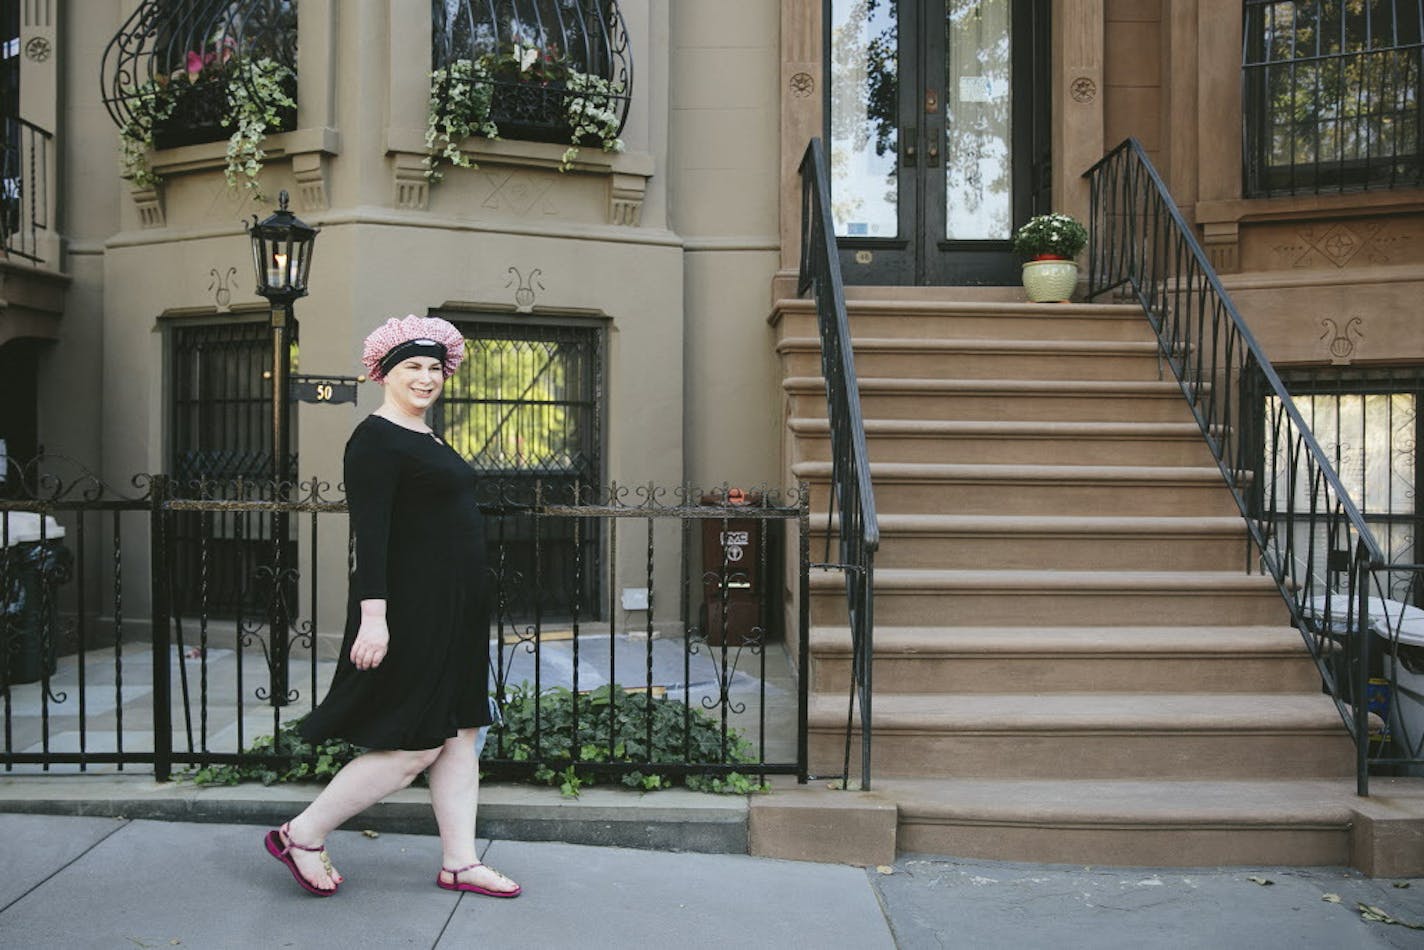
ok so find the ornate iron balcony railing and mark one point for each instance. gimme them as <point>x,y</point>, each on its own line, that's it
<point>169,68</point>
<point>24,188</point>
<point>529,49</point>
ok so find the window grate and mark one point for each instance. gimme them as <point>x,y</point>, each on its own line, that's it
<point>1332,92</point>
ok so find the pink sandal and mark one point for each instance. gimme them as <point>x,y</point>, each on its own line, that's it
<point>455,884</point>
<point>273,843</point>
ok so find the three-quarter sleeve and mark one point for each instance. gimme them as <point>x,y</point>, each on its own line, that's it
<point>371,472</point>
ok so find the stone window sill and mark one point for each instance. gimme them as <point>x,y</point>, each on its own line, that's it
<point>628,172</point>
<point>1294,207</point>
<point>307,149</point>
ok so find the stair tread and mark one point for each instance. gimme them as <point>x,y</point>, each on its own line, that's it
<point>1091,712</point>
<point>1090,801</point>
<point>1120,641</point>
<point>1019,471</point>
<point>973,308</point>
<point>1087,581</point>
<point>1162,389</point>
<point>1020,429</point>
<point>928,523</point>
<point>893,344</point>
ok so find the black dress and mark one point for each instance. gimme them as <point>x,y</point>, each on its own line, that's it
<point>420,546</point>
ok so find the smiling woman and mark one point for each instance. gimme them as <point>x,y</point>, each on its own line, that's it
<point>411,681</point>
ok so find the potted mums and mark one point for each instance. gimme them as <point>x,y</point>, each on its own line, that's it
<point>1048,243</point>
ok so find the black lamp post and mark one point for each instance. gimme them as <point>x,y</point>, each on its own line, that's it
<point>281,255</point>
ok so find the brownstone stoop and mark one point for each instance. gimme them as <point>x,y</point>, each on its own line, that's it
<point>1072,661</point>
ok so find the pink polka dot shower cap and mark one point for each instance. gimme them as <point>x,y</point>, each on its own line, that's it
<point>395,331</point>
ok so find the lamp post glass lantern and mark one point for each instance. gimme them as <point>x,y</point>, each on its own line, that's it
<point>281,257</point>
<point>281,253</point>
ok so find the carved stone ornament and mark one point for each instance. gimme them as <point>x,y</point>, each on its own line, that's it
<point>37,50</point>
<point>1341,345</point>
<point>1083,89</point>
<point>221,288</point>
<point>524,295</point>
<point>802,85</point>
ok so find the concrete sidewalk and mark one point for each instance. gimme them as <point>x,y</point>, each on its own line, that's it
<point>82,882</point>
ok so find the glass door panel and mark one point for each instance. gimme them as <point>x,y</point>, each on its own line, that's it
<point>864,132</point>
<point>978,132</point>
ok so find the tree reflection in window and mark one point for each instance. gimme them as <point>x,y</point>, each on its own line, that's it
<point>863,129</point>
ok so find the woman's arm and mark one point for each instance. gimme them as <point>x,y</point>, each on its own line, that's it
<point>371,472</point>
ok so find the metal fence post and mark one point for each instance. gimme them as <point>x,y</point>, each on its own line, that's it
<point>161,612</point>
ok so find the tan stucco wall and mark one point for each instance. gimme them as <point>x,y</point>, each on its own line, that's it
<point>723,159</point>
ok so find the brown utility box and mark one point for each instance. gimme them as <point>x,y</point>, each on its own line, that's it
<point>733,563</point>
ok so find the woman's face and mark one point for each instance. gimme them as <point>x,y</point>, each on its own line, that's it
<point>414,384</point>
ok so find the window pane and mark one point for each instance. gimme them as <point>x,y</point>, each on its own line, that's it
<point>864,91</point>
<point>977,147</point>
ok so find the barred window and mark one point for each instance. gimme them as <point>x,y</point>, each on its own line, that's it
<point>1332,91</point>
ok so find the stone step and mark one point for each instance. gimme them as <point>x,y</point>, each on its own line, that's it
<point>1165,823</point>
<point>982,359</point>
<point>1067,443</point>
<point>1059,598</point>
<point>1040,542</point>
<point>1028,400</point>
<point>1085,490</point>
<point>953,319</point>
<point>1090,735</point>
<point>1134,659</point>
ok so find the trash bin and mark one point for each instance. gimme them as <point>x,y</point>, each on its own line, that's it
<point>1404,668</point>
<point>32,569</point>
<point>731,563</point>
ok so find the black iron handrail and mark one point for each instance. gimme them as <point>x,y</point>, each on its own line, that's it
<point>1309,533</point>
<point>24,187</point>
<point>850,491</point>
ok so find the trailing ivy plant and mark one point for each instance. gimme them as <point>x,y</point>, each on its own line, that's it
<point>462,103</point>
<point>256,92</point>
<point>678,734</point>
<point>460,97</point>
<point>678,731</point>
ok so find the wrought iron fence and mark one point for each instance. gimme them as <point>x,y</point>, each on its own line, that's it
<point>857,530</point>
<point>528,50</point>
<point>1332,95</point>
<point>168,69</point>
<point>24,188</point>
<point>103,667</point>
<point>1307,532</point>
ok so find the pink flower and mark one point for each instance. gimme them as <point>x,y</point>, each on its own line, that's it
<point>195,64</point>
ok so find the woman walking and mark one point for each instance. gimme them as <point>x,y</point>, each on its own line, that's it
<point>411,682</point>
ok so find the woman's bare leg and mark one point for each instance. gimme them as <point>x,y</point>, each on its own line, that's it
<point>364,781</point>
<point>454,779</point>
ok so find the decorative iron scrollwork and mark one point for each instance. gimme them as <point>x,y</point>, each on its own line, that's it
<point>529,49</point>
<point>198,48</point>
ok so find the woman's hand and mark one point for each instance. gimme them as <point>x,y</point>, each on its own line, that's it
<point>372,637</point>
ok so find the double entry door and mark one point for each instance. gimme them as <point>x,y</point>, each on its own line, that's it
<point>938,132</point>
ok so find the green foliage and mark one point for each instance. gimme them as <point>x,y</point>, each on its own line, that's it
<point>257,93</point>
<point>309,762</point>
<point>1057,234</point>
<point>676,732</point>
<point>462,100</point>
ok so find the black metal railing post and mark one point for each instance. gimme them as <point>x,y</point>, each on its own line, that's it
<point>24,188</point>
<point>162,613</point>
